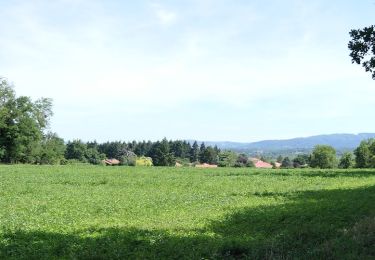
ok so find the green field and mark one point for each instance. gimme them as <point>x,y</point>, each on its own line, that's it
<point>88,212</point>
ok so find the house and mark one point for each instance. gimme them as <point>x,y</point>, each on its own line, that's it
<point>261,164</point>
<point>111,162</point>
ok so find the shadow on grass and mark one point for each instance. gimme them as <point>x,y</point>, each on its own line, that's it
<point>314,224</point>
<point>335,224</point>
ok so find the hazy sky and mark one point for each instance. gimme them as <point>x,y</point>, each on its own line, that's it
<point>192,69</point>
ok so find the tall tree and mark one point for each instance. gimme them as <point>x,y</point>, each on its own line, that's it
<point>177,148</point>
<point>52,149</point>
<point>209,155</point>
<point>286,163</point>
<point>324,157</point>
<point>161,155</point>
<point>346,161</point>
<point>22,124</point>
<point>140,148</point>
<point>365,154</point>
<point>194,152</point>
<point>362,47</point>
<point>76,150</point>
<point>202,150</point>
<point>227,159</point>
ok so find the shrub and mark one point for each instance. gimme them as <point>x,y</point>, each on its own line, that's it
<point>301,161</point>
<point>250,164</point>
<point>183,161</point>
<point>143,161</point>
<point>128,159</point>
<point>239,165</point>
<point>74,162</point>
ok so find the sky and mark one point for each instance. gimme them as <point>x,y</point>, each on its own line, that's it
<point>215,70</point>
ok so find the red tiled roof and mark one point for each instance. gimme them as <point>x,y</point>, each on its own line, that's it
<point>111,161</point>
<point>261,164</point>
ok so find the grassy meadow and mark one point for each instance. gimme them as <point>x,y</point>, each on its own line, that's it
<point>93,212</point>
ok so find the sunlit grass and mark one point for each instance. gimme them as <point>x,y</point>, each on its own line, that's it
<point>135,212</point>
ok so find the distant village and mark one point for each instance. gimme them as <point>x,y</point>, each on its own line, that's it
<point>258,163</point>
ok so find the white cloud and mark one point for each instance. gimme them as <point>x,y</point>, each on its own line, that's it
<point>165,16</point>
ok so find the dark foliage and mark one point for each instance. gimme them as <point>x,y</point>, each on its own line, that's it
<point>362,47</point>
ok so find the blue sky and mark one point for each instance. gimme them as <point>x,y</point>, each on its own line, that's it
<point>193,69</point>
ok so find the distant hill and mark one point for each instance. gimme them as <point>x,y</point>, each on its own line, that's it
<point>338,141</point>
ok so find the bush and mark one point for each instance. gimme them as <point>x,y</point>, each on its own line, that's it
<point>94,157</point>
<point>128,159</point>
<point>243,161</point>
<point>239,165</point>
<point>301,161</point>
<point>250,164</point>
<point>183,161</point>
<point>143,161</point>
<point>74,162</point>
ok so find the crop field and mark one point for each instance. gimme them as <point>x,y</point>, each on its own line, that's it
<point>94,212</point>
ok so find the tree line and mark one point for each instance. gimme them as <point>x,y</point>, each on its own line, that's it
<point>24,138</point>
<point>163,153</point>
<point>325,157</point>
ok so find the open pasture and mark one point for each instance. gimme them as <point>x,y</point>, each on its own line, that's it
<point>88,212</point>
